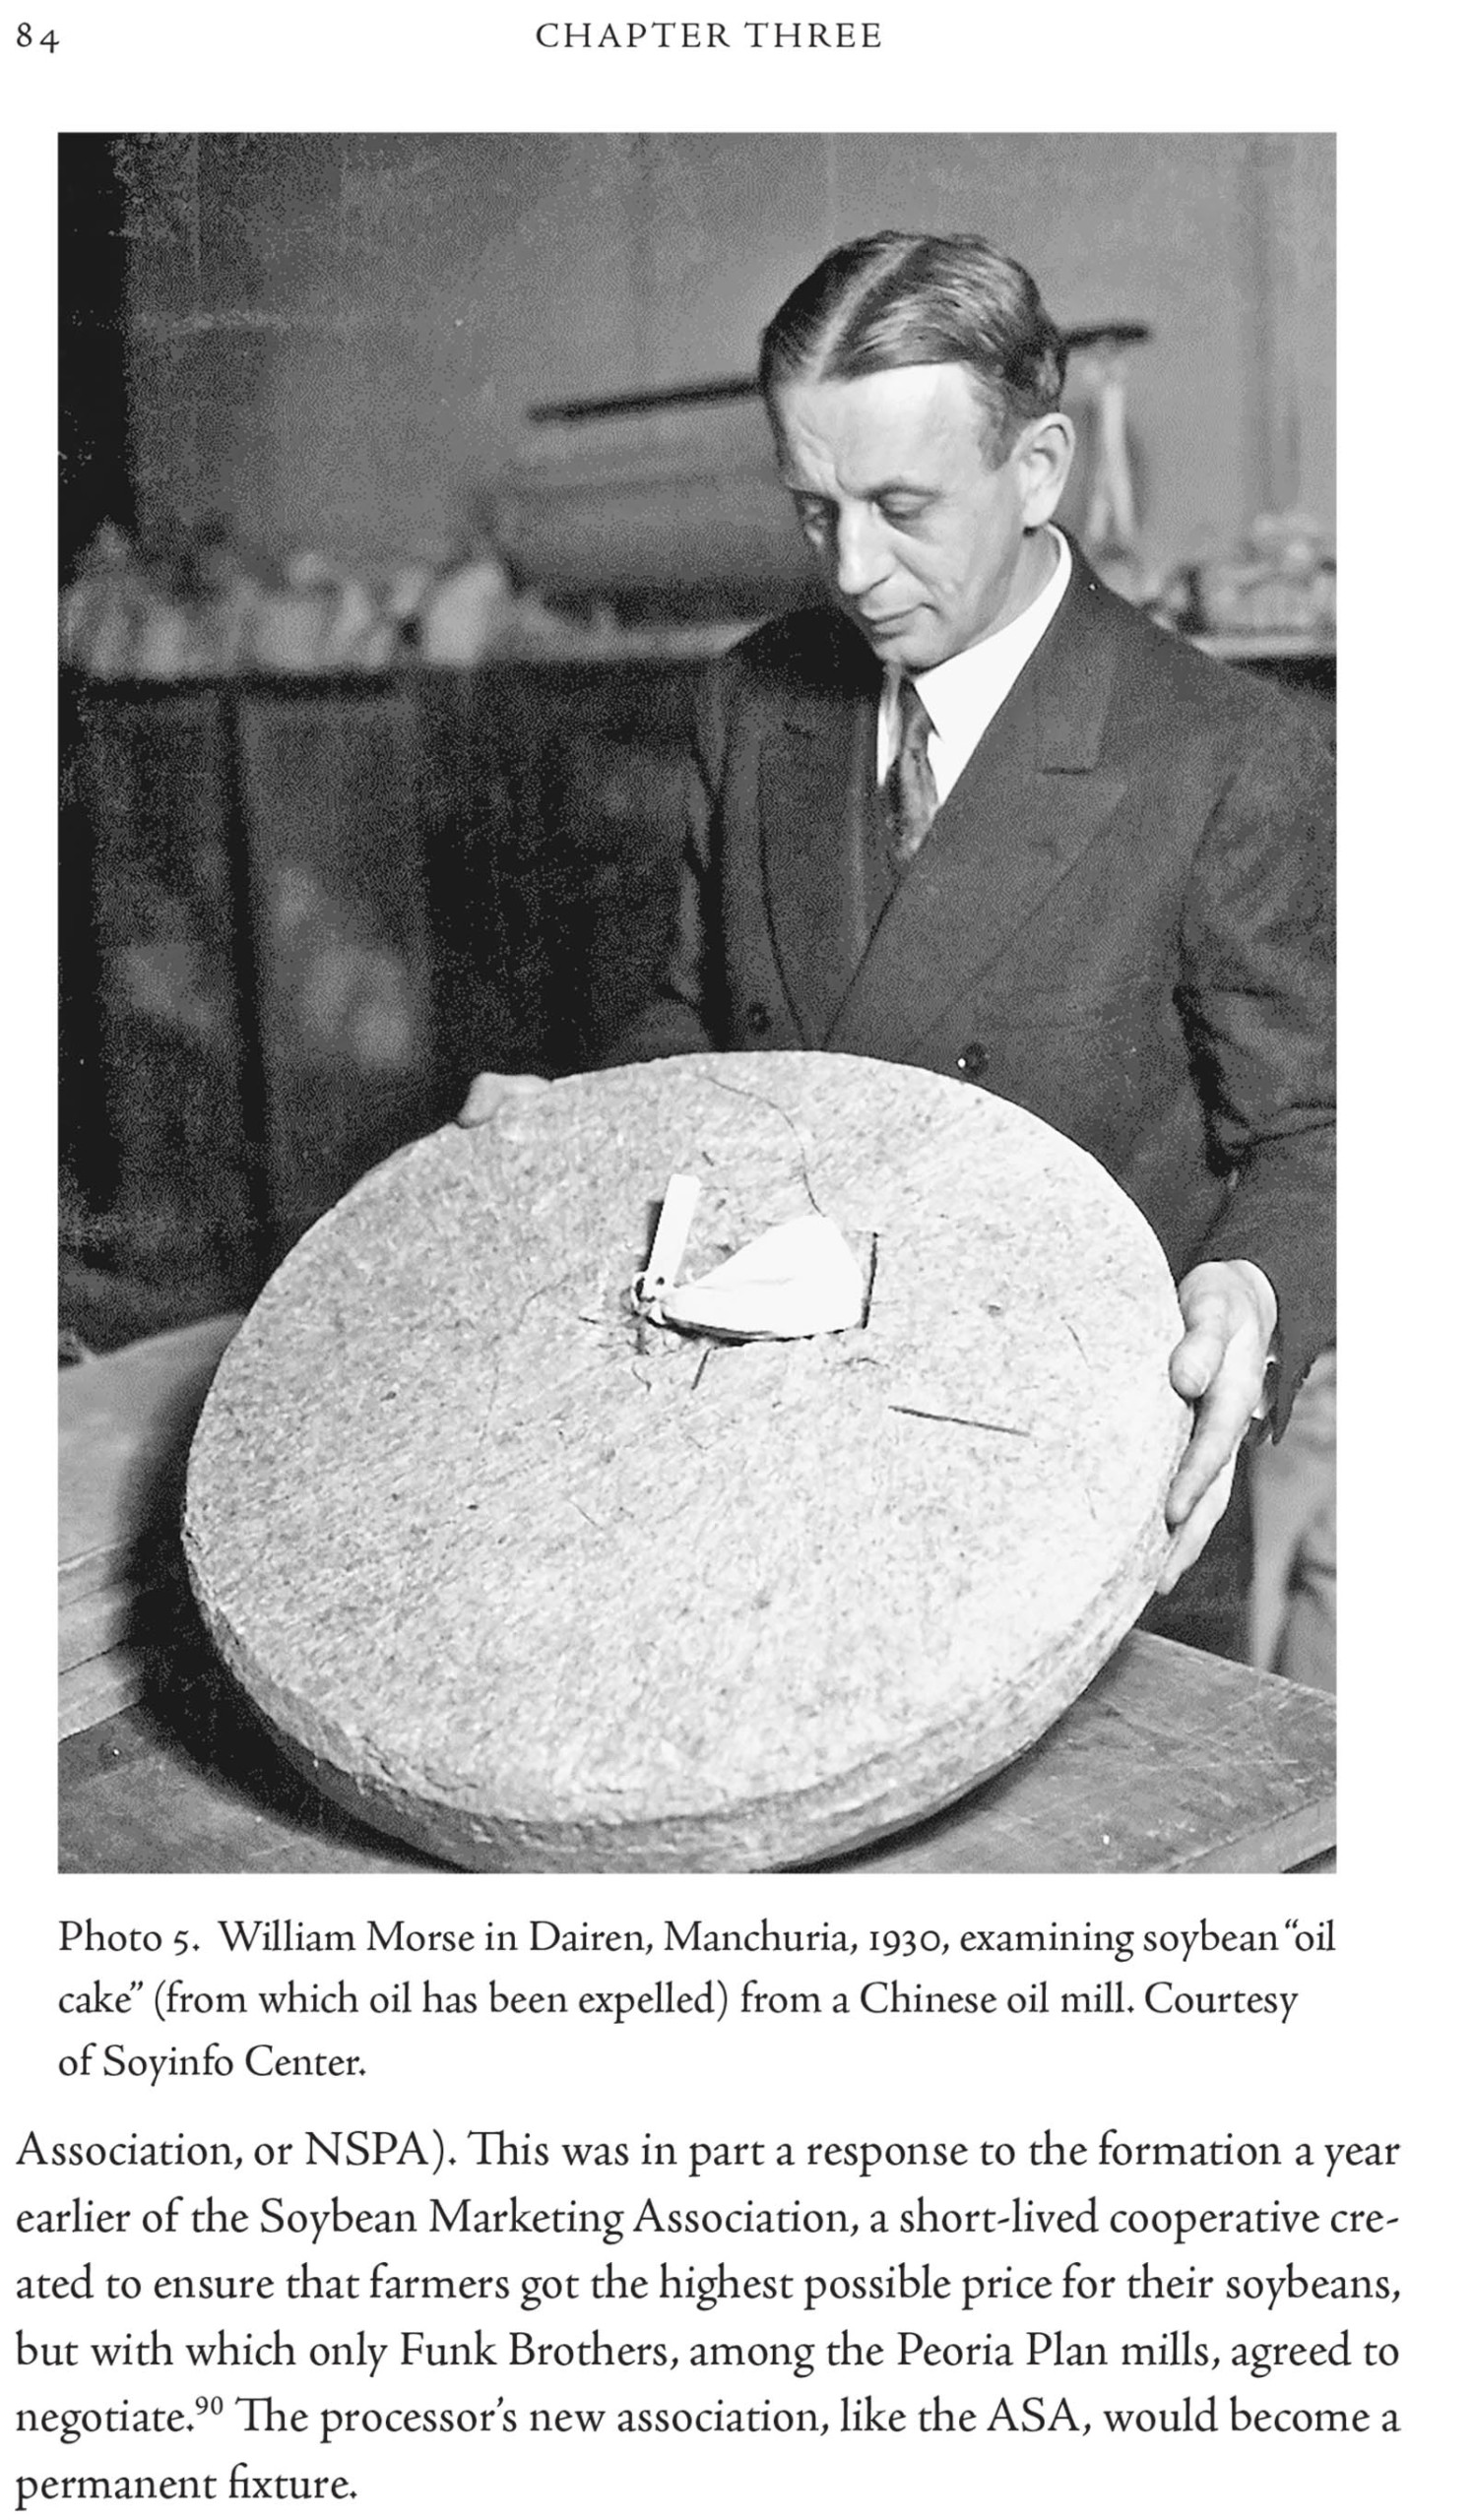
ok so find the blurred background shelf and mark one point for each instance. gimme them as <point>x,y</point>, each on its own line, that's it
<point>1269,650</point>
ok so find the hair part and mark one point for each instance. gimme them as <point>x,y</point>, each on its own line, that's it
<point>900,300</point>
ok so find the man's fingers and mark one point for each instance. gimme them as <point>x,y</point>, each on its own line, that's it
<point>1206,1366</point>
<point>1218,1364</point>
<point>1217,1435</point>
<point>489,1092</point>
<point>1198,1357</point>
<point>1192,1535</point>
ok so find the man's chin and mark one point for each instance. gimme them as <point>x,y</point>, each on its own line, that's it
<point>900,639</point>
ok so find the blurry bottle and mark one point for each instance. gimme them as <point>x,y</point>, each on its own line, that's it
<point>100,609</point>
<point>468,612</point>
<point>1110,531</point>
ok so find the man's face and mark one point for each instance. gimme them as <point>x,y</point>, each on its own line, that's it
<point>921,536</point>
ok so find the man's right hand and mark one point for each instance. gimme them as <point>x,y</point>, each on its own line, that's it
<point>489,1091</point>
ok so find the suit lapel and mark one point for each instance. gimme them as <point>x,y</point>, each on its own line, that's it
<point>1031,800</point>
<point>818,765</point>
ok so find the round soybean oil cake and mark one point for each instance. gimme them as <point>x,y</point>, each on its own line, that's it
<point>538,1582</point>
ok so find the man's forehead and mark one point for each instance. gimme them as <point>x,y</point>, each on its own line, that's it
<point>896,425</point>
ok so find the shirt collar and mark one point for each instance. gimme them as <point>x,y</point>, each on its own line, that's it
<point>965,691</point>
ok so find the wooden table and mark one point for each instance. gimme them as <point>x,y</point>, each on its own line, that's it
<point>1171,1761</point>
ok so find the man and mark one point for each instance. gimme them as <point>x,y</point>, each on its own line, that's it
<point>978,816</point>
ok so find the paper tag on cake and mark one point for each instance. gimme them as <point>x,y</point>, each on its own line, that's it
<point>793,1281</point>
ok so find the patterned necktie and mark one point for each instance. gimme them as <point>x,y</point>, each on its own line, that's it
<point>910,788</point>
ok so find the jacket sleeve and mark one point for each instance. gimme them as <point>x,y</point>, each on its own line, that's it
<point>1258,956</point>
<point>684,1012</point>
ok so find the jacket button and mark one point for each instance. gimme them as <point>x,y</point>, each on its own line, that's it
<point>758,1018</point>
<point>972,1061</point>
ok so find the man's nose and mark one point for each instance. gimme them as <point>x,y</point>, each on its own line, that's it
<point>858,556</point>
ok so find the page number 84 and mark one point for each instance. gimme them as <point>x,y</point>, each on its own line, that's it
<point>24,39</point>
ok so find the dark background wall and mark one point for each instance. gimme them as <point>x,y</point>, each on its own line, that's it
<point>334,337</point>
<point>96,471</point>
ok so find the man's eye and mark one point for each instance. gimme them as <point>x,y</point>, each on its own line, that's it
<point>813,516</point>
<point>903,511</point>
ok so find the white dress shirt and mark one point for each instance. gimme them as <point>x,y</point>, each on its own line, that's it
<point>965,694</point>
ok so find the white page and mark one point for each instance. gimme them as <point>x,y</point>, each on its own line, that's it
<point>1367,2054</point>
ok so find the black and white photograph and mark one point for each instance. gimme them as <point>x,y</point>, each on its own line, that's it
<point>725,1827</point>
<point>696,982</point>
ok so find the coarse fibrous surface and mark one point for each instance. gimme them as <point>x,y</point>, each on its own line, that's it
<point>538,1585</point>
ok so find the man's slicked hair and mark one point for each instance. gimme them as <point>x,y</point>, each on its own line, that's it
<point>899,301</point>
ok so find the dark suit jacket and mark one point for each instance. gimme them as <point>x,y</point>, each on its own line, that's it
<point>1121,919</point>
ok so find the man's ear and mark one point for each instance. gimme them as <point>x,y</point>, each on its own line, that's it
<point>1043,455</point>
